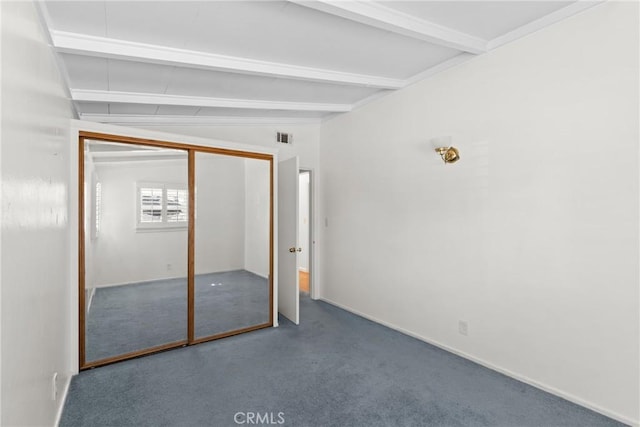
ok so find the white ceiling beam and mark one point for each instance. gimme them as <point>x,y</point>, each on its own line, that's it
<point>543,22</point>
<point>82,44</point>
<point>200,101</point>
<point>386,18</point>
<point>45,21</point>
<point>141,119</point>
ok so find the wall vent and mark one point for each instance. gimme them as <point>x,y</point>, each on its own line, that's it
<point>285,138</point>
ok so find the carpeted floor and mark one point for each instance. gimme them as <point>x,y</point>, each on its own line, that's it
<point>133,317</point>
<point>334,369</point>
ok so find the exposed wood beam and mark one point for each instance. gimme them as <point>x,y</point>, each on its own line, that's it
<point>200,101</point>
<point>386,18</point>
<point>130,120</point>
<point>81,44</point>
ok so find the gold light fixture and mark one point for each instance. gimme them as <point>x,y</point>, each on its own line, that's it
<point>449,153</point>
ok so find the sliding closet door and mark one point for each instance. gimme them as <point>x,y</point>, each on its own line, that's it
<point>231,244</point>
<point>174,245</point>
<point>135,249</point>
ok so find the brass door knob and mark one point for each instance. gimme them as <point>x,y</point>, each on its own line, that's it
<point>292,249</point>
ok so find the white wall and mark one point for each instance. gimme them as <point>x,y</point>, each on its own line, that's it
<point>1,208</point>
<point>90,217</point>
<point>306,145</point>
<point>306,138</point>
<point>158,254</point>
<point>122,254</point>
<point>220,206</point>
<point>36,301</point>
<point>532,238</point>
<point>257,206</point>
<point>303,220</point>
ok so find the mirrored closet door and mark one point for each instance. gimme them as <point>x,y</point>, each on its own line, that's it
<point>136,223</point>
<point>175,246</point>
<point>232,243</point>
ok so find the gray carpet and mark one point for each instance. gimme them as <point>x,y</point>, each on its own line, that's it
<point>136,316</point>
<point>335,369</point>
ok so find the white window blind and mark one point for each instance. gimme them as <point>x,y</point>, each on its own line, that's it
<point>162,206</point>
<point>150,205</point>
<point>177,205</point>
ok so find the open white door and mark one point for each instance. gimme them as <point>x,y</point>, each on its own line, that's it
<point>288,280</point>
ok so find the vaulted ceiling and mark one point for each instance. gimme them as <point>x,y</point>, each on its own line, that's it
<point>226,62</point>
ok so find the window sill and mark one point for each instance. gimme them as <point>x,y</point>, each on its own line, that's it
<point>160,228</point>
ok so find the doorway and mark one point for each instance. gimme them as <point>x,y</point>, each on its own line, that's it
<point>305,232</point>
<point>295,252</point>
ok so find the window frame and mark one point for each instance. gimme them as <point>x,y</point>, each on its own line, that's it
<point>164,224</point>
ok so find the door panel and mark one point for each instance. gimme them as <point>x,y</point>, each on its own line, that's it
<point>288,279</point>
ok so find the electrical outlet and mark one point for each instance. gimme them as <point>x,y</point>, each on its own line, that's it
<point>169,267</point>
<point>463,327</point>
<point>54,386</point>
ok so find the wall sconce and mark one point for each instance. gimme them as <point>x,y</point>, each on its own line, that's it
<point>449,153</point>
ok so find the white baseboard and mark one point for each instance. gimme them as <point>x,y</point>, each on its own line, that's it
<point>304,270</point>
<point>522,378</point>
<point>111,285</point>
<point>258,274</point>
<point>65,392</point>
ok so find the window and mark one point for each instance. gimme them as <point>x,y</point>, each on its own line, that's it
<point>150,205</point>
<point>177,205</point>
<point>162,206</point>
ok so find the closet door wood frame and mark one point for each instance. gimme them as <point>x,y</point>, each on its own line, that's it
<point>191,151</point>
